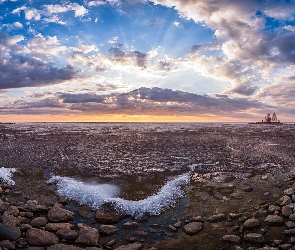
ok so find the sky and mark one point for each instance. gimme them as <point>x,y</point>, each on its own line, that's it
<point>137,60</point>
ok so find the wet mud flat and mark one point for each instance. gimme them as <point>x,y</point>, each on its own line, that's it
<point>233,168</point>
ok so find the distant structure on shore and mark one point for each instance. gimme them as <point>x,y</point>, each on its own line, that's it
<point>269,119</point>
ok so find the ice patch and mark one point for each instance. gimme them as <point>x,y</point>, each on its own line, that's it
<point>96,195</point>
<point>6,174</point>
<point>85,193</point>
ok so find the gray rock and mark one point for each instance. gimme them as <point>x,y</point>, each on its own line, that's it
<point>63,247</point>
<point>286,211</point>
<point>66,233</point>
<point>58,214</point>
<point>40,237</point>
<point>273,208</point>
<point>178,224</point>
<point>285,246</point>
<point>39,222</point>
<point>108,229</point>
<point>254,238</point>
<point>9,232</point>
<point>292,217</point>
<point>133,246</point>
<point>251,223</point>
<point>274,220</point>
<point>130,224</point>
<point>193,228</point>
<point>88,236</point>
<point>290,224</point>
<point>53,227</point>
<point>289,232</point>
<point>216,218</point>
<point>6,244</point>
<point>3,206</point>
<point>230,238</point>
<point>25,227</point>
<point>289,191</point>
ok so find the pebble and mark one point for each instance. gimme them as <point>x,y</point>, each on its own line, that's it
<point>193,228</point>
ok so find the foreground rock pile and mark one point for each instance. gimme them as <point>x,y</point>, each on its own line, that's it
<point>33,226</point>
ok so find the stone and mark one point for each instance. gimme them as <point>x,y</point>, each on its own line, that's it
<point>216,218</point>
<point>133,246</point>
<point>172,228</point>
<point>290,224</point>
<point>25,227</point>
<point>230,238</point>
<point>88,236</point>
<point>254,238</point>
<point>61,246</point>
<point>285,200</point>
<point>251,223</point>
<point>273,208</point>
<point>289,232</point>
<point>288,191</point>
<point>85,211</point>
<point>234,216</point>
<point>274,220</point>
<point>285,246</point>
<point>53,227</point>
<point>3,206</point>
<point>197,219</point>
<point>26,214</point>
<point>248,189</point>
<point>286,211</point>
<point>12,210</point>
<point>292,217</point>
<point>6,244</point>
<point>58,214</point>
<point>33,206</point>
<point>8,232</point>
<point>39,222</point>
<point>10,220</point>
<point>35,248</point>
<point>40,237</point>
<point>178,224</point>
<point>193,228</point>
<point>108,229</point>
<point>107,214</point>
<point>66,233</point>
<point>130,224</point>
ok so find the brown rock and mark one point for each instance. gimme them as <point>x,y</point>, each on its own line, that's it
<point>10,220</point>
<point>88,236</point>
<point>292,217</point>
<point>108,229</point>
<point>230,238</point>
<point>6,244</point>
<point>107,214</point>
<point>38,222</point>
<point>58,214</point>
<point>85,211</point>
<point>286,211</point>
<point>63,247</point>
<point>40,237</point>
<point>274,220</point>
<point>251,223</point>
<point>33,206</point>
<point>130,224</point>
<point>133,246</point>
<point>12,210</point>
<point>285,200</point>
<point>193,228</point>
<point>3,206</point>
<point>56,226</point>
<point>216,218</point>
<point>66,233</point>
<point>254,238</point>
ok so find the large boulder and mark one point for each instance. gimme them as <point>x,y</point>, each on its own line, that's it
<point>66,233</point>
<point>58,214</point>
<point>251,223</point>
<point>107,214</point>
<point>274,220</point>
<point>38,237</point>
<point>108,229</point>
<point>56,226</point>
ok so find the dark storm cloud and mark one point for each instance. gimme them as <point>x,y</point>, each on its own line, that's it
<point>243,89</point>
<point>21,70</point>
<point>148,101</point>
<point>128,57</point>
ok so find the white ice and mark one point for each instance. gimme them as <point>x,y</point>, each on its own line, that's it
<point>6,175</point>
<point>97,194</point>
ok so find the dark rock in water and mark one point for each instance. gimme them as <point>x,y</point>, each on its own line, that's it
<point>108,229</point>
<point>251,223</point>
<point>88,236</point>
<point>274,220</point>
<point>133,246</point>
<point>58,214</point>
<point>39,222</point>
<point>254,238</point>
<point>230,238</point>
<point>40,237</point>
<point>63,247</point>
<point>107,214</point>
<point>8,232</point>
<point>66,233</point>
<point>56,226</point>
<point>130,224</point>
<point>85,211</point>
<point>193,228</point>
<point>216,218</point>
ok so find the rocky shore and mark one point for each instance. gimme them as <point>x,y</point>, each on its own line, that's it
<point>29,225</point>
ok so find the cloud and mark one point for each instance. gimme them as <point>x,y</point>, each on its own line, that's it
<point>176,24</point>
<point>30,13</point>
<point>13,26</point>
<point>96,3</point>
